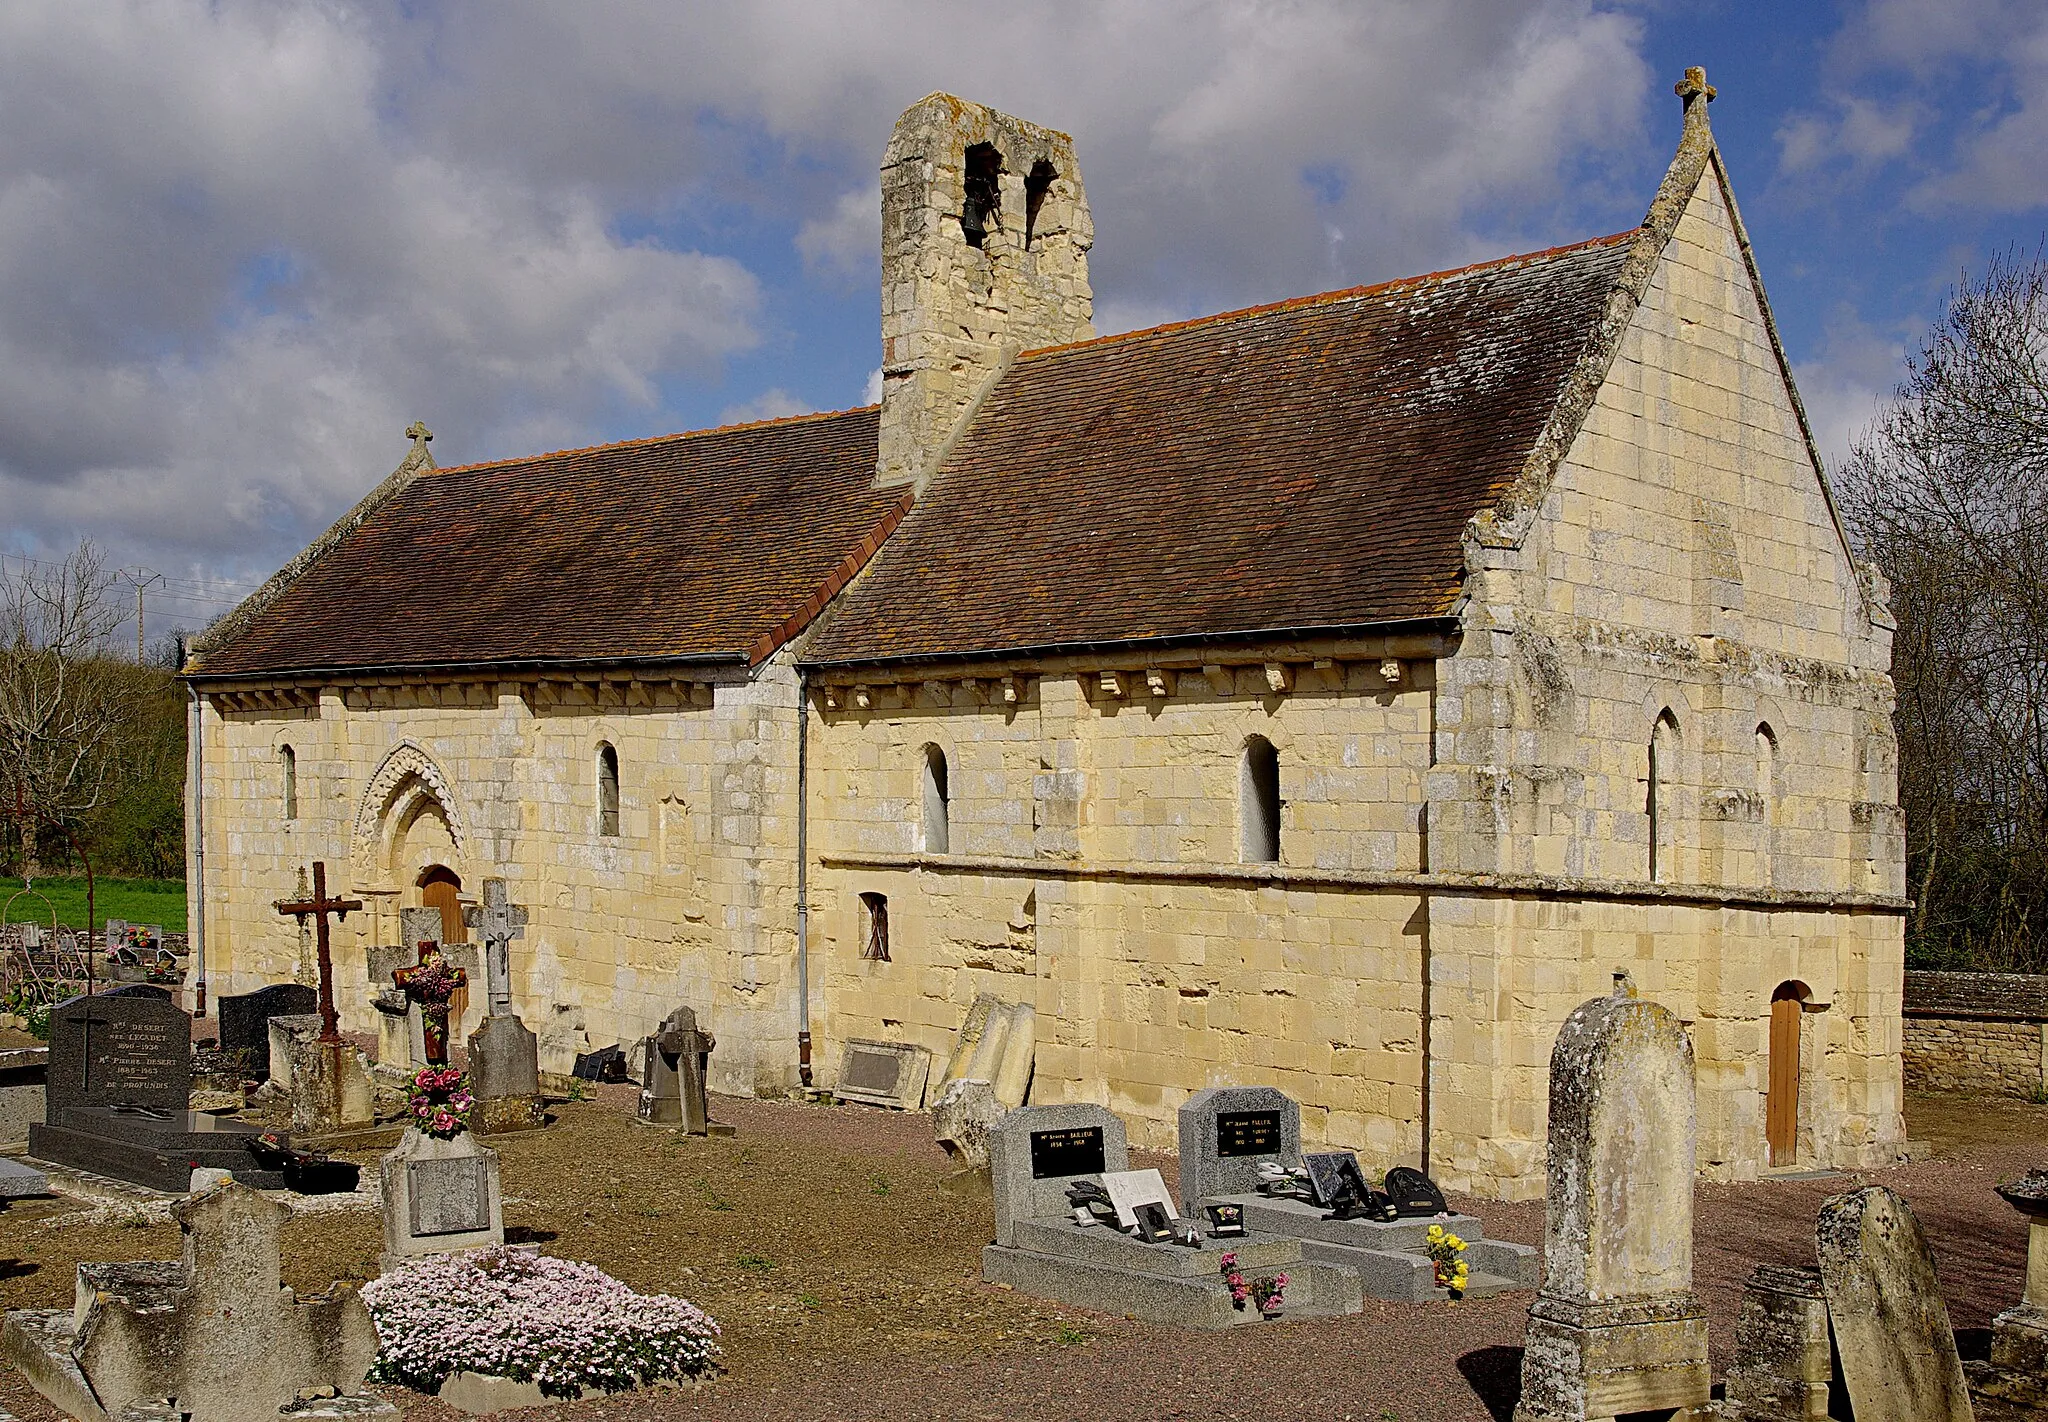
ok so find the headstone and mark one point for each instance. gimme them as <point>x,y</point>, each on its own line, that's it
<point>430,985</point>
<point>966,1111</point>
<point>1783,1359</point>
<point>604,1064</point>
<point>884,1074</point>
<point>958,1066</point>
<point>440,1196</point>
<point>1020,1049</point>
<point>1897,1351</point>
<point>245,1021</point>
<point>1227,1133</point>
<point>498,920</point>
<point>504,1075</point>
<point>2018,1369</point>
<point>1130,1189</point>
<point>1036,1152</point>
<point>328,1083</point>
<point>419,925</point>
<point>215,1332</point>
<point>1616,1327</point>
<point>672,1074</point>
<point>23,1072</point>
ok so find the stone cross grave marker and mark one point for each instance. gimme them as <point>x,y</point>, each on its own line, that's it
<point>1616,1327</point>
<point>216,1331</point>
<point>1035,1152</point>
<point>1898,1353</point>
<point>500,921</point>
<point>1226,1133</point>
<point>245,1020</point>
<point>317,908</point>
<point>672,1074</point>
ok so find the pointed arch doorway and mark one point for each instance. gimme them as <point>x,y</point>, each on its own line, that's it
<point>1781,1101</point>
<point>441,888</point>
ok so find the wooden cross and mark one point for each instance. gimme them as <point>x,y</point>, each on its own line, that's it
<point>319,906</point>
<point>500,921</point>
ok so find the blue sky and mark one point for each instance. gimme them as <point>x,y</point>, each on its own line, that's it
<point>244,244</point>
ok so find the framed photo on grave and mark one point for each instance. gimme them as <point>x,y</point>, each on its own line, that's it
<point>1225,1221</point>
<point>1074,1151</point>
<point>1155,1226</point>
<point>1128,1189</point>
<point>1336,1178</point>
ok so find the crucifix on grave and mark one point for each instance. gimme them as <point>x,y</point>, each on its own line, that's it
<point>672,1074</point>
<point>428,985</point>
<point>317,908</point>
<point>500,921</point>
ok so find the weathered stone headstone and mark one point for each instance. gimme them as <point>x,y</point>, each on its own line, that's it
<point>1616,1327</point>
<point>23,1071</point>
<point>966,1111</point>
<point>440,1196</point>
<point>328,1083</point>
<point>245,1021</point>
<point>1783,1359</point>
<point>215,1333</point>
<point>1897,1351</point>
<point>884,1074</point>
<point>499,921</point>
<point>672,1074</point>
<point>1227,1132</point>
<point>504,1053</point>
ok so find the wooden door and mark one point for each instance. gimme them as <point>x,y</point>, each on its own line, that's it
<point>1781,1109</point>
<point>442,889</point>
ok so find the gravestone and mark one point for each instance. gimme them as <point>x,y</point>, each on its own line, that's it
<point>215,1332</point>
<point>440,1196</point>
<point>115,1101</point>
<point>884,1074</point>
<point>966,1111</point>
<point>504,1053</point>
<point>23,1071</point>
<point>1783,1358</point>
<point>1037,1152</point>
<point>245,1021</point>
<point>1897,1352</point>
<point>328,1083</point>
<point>1414,1194</point>
<point>1227,1132</point>
<point>1616,1327</point>
<point>672,1074</point>
<point>2018,1369</point>
<point>401,1046</point>
<point>604,1064</point>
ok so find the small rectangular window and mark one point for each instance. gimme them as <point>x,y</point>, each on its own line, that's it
<point>291,782</point>
<point>874,913</point>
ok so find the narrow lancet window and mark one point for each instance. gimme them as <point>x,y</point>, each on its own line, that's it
<point>1259,802</point>
<point>938,806</point>
<point>874,912</point>
<point>607,792</point>
<point>1663,760</point>
<point>290,761</point>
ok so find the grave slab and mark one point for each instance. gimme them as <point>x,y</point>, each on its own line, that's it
<point>1897,1351</point>
<point>23,1071</point>
<point>891,1074</point>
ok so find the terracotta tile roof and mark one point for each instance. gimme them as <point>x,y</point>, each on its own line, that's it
<point>720,544</point>
<point>1310,464</point>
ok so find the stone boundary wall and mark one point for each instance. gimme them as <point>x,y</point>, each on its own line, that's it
<point>1976,1032</point>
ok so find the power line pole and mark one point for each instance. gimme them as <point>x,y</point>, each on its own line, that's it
<point>141,578</point>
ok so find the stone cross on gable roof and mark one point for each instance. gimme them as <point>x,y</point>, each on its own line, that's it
<point>419,434</point>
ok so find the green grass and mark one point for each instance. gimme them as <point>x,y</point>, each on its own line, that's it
<point>159,901</point>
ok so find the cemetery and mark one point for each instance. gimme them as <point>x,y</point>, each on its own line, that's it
<point>722,1257</point>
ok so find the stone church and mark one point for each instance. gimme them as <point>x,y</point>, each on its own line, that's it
<point>1327,695</point>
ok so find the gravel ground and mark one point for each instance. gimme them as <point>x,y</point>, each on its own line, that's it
<point>849,1287</point>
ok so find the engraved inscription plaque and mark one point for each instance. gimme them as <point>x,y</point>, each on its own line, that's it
<point>448,1196</point>
<point>1248,1133</point>
<point>1077,1151</point>
<point>871,1070</point>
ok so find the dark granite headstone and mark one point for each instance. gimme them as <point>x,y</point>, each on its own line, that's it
<point>604,1064</point>
<point>245,1021</point>
<point>122,1048</point>
<point>1414,1194</point>
<point>148,990</point>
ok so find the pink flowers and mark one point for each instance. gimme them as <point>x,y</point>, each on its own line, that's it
<point>441,1102</point>
<point>557,1322</point>
<point>1268,1293</point>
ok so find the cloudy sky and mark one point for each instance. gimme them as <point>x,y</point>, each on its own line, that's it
<point>242,245</point>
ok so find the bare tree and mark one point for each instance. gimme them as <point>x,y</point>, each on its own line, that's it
<point>1949,495</point>
<point>64,698</point>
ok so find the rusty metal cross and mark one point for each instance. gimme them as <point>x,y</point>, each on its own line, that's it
<point>319,906</point>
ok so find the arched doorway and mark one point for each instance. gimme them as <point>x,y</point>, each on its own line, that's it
<point>441,888</point>
<point>1781,1102</point>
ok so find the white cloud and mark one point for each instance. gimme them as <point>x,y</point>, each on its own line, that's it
<point>1844,387</point>
<point>242,245</point>
<point>773,404</point>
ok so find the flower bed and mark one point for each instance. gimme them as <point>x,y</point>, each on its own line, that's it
<point>556,1322</point>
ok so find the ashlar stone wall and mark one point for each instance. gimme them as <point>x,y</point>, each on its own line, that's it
<point>1683,585</point>
<point>693,901</point>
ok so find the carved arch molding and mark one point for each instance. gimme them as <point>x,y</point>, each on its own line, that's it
<point>407,775</point>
